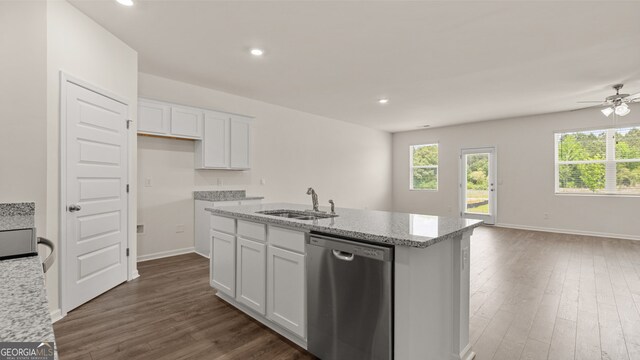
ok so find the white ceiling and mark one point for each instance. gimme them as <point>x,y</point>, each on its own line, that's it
<point>440,63</point>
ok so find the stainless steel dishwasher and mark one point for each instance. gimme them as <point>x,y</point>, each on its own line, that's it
<point>349,299</point>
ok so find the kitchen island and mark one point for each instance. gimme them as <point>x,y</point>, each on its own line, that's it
<point>258,265</point>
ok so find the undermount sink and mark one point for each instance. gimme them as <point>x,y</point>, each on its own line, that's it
<point>297,214</point>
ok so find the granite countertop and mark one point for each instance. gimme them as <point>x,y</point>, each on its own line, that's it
<point>224,195</point>
<point>16,216</point>
<point>24,311</point>
<point>393,228</point>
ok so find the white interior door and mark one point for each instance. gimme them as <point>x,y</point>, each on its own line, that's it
<point>95,194</point>
<point>478,190</point>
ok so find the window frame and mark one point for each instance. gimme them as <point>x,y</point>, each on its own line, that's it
<point>610,162</point>
<point>411,167</point>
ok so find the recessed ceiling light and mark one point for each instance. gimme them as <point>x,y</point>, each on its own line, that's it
<point>257,52</point>
<point>125,2</point>
<point>383,101</point>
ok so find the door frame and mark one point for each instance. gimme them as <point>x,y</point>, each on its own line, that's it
<point>62,204</point>
<point>493,195</point>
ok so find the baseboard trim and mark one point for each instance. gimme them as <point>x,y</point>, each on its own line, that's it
<point>164,254</point>
<point>135,275</point>
<point>56,315</point>
<point>569,231</point>
<point>201,254</point>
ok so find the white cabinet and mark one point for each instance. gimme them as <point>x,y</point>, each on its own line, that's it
<point>286,300</point>
<point>202,222</point>
<point>240,142</point>
<point>222,262</point>
<point>186,122</point>
<point>224,139</point>
<point>153,117</point>
<point>213,151</point>
<point>270,277</point>
<point>226,142</point>
<point>250,274</point>
<point>170,120</point>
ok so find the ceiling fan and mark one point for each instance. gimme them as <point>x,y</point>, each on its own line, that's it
<point>617,103</point>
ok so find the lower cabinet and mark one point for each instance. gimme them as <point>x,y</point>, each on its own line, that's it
<point>251,264</point>
<point>202,225</point>
<point>286,289</point>
<point>223,262</point>
<point>266,279</point>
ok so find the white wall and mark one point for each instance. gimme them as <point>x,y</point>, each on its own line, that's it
<point>83,49</point>
<point>525,175</point>
<point>23,106</point>
<point>291,150</point>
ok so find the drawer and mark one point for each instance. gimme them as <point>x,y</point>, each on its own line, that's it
<point>224,224</point>
<point>252,230</point>
<point>287,239</point>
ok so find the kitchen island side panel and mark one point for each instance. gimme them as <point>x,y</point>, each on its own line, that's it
<point>431,301</point>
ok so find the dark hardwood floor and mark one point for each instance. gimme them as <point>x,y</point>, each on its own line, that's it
<point>534,295</point>
<point>170,312</point>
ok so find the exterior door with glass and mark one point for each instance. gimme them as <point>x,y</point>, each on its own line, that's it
<point>478,190</point>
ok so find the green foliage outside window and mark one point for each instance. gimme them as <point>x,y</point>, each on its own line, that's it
<point>424,167</point>
<point>591,146</point>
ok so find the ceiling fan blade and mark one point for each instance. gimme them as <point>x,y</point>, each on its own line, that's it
<point>635,96</point>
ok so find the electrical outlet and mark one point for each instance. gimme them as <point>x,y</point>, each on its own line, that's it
<point>147,182</point>
<point>545,216</point>
<point>465,257</point>
<point>220,181</point>
<point>140,229</point>
<point>180,228</point>
<point>263,181</point>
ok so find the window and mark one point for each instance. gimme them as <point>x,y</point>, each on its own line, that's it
<point>424,167</point>
<point>598,161</point>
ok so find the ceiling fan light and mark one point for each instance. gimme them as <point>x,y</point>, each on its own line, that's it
<point>622,110</point>
<point>607,111</point>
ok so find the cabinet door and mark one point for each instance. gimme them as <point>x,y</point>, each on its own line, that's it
<point>240,142</point>
<point>223,263</point>
<point>153,118</point>
<point>251,274</point>
<point>286,290</point>
<point>202,227</point>
<point>186,122</point>
<point>214,149</point>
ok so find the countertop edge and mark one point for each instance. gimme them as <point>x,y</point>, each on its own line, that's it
<point>235,199</point>
<point>338,232</point>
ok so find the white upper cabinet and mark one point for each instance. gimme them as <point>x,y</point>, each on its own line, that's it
<point>186,122</point>
<point>153,117</point>
<point>165,119</point>
<point>213,151</point>
<point>225,138</point>
<point>240,142</point>
<point>226,143</point>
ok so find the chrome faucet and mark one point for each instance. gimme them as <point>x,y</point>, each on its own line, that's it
<point>333,207</point>
<point>314,199</point>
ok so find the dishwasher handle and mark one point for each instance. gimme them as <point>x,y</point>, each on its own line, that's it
<point>343,255</point>
<point>347,250</point>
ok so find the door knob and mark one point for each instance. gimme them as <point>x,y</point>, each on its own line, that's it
<point>74,208</point>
